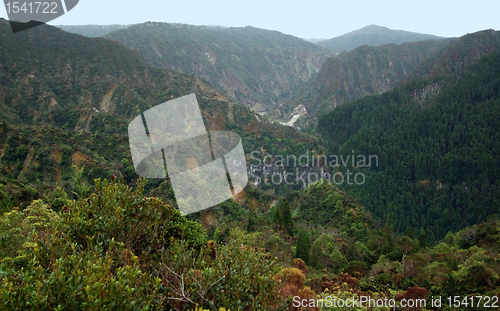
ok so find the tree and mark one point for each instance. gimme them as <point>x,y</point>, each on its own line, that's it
<point>57,199</point>
<point>451,286</point>
<point>405,245</point>
<point>339,263</point>
<point>409,233</point>
<point>277,218</point>
<point>316,254</point>
<point>251,223</point>
<point>422,242</point>
<point>388,246</point>
<point>81,189</point>
<point>287,218</point>
<point>251,217</point>
<point>303,249</point>
<point>5,127</point>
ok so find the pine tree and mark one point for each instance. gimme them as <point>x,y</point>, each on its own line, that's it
<point>315,255</point>
<point>422,240</point>
<point>451,286</point>
<point>303,249</point>
<point>409,232</point>
<point>287,218</point>
<point>389,240</point>
<point>277,218</point>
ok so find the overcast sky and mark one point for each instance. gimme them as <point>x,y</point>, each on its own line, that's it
<point>306,19</point>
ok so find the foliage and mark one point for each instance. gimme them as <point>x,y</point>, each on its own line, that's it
<point>287,218</point>
<point>81,281</point>
<point>303,246</point>
<point>422,132</point>
<point>118,212</point>
<point>17,228</point>
<point>235,276</point>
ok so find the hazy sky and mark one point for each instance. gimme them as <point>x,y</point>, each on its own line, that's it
<point>307,19</point>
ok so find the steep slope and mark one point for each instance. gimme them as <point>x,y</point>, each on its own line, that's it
<point>372,35</point>
<point>438,145</point>
<point>259,68</point>
<point>364,71</point>
<point>66,99</point>
<point>459,54</point>
<point>91,31</point>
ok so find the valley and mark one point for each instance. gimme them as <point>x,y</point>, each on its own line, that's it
<point>417,116</point>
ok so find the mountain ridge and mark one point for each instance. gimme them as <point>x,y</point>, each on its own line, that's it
<point>64,102</point>
<point>91,31</point>
<point>364,71</point>
<point>374,70</point>
<point>259,68</point>
<point>372,35</point>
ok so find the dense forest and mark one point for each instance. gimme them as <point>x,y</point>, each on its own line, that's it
<point>437,142</point>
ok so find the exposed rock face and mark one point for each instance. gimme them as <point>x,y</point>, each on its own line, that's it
<point>296,114</point>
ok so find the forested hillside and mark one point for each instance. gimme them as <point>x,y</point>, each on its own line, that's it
<point>64,102</point>
<point>365,71</point>
<point>372,35</point>
<point>457,55</point>
<point>79,230</point>
<point>438,146</point>
<point>257,67</point>
<point>374,70</point>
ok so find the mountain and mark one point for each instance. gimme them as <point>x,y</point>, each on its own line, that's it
<point>364,71</point>
<point>259,68</point>
<point>459,54</point>
<point>437,141</point>
<point>372,35</point>
<point>65,241</point>
<point>67,100</point>
<point>91,31</point>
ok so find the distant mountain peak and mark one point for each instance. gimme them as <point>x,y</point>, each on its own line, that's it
<point>373,35</point>
<point>371,29</point>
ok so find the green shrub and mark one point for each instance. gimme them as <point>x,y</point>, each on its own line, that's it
<point>81,281</point>
<point>116,211</point>
<point>234,276</point>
